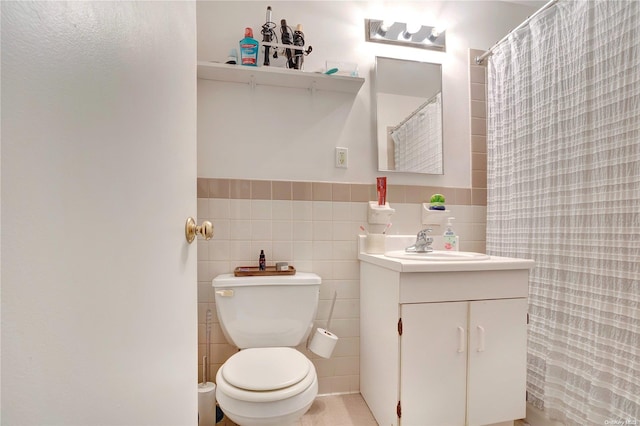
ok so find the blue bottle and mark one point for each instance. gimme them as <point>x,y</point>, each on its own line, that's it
<point>249,48</point>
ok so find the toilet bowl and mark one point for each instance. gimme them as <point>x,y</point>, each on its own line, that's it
<point>268,382</point>
<point>266,386</point>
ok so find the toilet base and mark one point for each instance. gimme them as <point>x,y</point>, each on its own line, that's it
<point>287,420</point>
<point>276,413</point>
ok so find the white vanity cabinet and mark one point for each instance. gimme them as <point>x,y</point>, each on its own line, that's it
<point>444,348</point>
<point>475,353</point>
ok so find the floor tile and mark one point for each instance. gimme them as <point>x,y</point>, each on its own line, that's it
<point>333,410</point>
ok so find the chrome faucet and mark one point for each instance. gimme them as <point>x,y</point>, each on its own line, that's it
<point>423,243</point>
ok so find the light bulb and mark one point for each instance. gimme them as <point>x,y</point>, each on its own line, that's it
<point>383,28</point>
<point>435,33</point>
<point>413,27</point>
<point>410,29</point>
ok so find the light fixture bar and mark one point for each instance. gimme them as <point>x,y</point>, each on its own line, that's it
<point>399,33</point>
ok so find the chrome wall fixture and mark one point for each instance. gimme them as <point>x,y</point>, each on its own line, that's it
<point>400,33</point>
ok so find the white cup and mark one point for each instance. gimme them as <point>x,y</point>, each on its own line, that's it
<point>375,243</point>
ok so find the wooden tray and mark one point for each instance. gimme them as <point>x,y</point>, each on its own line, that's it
<point>249,271</point>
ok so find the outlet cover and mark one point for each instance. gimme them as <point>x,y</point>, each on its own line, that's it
<point>342,157</point>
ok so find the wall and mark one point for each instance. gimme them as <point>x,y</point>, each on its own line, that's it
<point>313,226</point>
<point>265,157</point>
<point>288,134</point>
<point>478,107</point>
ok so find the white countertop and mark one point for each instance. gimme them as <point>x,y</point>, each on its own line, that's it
<point>397,242</point>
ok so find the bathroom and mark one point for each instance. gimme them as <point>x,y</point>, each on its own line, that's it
<point>266,185</point>
<point>284,194</point>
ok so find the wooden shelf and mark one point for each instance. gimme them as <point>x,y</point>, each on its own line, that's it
<point>280,77</point>
<point>251,271</point>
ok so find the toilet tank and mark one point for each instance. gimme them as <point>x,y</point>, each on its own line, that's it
<point>266,311</point>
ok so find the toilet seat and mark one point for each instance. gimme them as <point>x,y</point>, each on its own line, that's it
<point>265,369</point>
<point>265,374</point>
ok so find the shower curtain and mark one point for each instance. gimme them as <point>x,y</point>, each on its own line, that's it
<point>564,189</point>
<point>418,141</point>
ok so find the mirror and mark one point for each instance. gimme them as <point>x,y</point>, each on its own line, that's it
<point>408,98</point>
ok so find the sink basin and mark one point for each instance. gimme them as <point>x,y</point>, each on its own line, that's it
<point>438,256</point>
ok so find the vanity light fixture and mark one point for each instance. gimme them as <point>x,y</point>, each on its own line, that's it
<point>403,34</point>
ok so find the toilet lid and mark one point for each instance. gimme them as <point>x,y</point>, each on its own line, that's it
<point>263,369</point>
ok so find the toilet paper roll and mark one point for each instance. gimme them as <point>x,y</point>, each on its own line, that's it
<point>206,404</point>
<point>323,342</point>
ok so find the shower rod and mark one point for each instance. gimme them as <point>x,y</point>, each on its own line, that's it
<point>481,58</point>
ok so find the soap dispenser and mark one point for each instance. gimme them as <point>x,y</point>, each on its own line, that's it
<point>450,237</point>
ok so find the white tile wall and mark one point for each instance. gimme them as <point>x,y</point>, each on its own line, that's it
<point>314,236</point>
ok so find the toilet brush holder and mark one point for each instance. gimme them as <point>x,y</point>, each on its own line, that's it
<point>207,404</point>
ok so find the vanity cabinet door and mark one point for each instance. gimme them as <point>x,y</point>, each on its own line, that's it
<point>433,364</point>
<point>497,360</point>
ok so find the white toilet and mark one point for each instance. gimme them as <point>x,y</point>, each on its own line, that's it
<point>268,382</point>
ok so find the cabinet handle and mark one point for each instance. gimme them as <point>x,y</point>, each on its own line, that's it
<point>460,339</point>
<point>480,338</point>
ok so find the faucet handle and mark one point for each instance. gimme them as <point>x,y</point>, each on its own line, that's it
<point>423,233</point>
<point>423,242</point>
